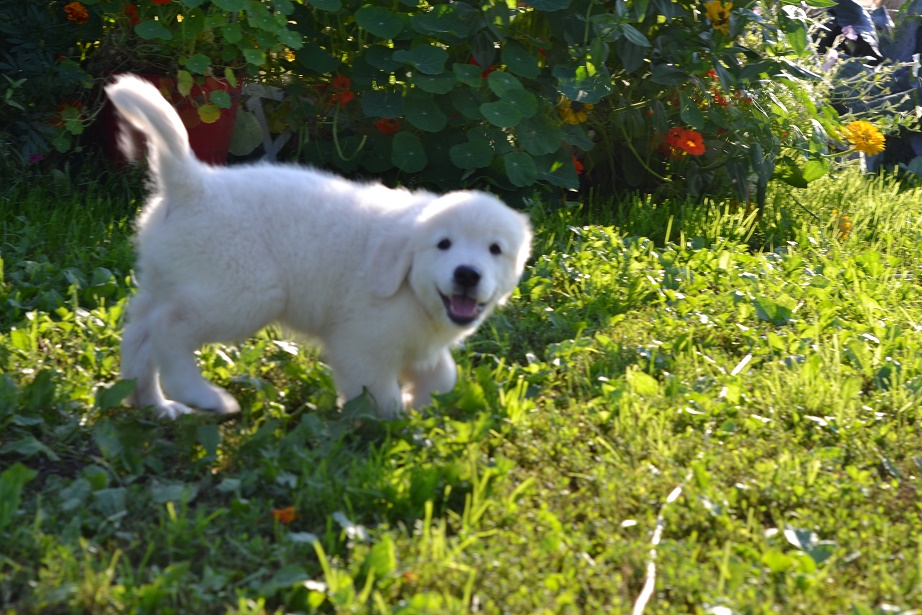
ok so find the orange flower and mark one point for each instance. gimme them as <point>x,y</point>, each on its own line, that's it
<point>387,126</point>
<point>341,82</point>
<point>689,141</point>
<point>284,515</point>
<point>76,12</point>
<point>692,142</point>
<point>161,1</point>
<point>577,165</point>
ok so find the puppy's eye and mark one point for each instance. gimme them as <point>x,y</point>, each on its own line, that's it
<point>444,244</point>
<point>495,250</point>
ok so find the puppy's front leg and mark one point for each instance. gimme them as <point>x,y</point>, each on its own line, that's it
<point>421,382</point>
<point>355,375</point>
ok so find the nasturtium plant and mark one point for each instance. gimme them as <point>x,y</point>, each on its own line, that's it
<point>566,94</point>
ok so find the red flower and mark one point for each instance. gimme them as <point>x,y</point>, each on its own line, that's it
<point>577,165</point>
<point>486,72</point>
<point>131,13</point>
<point>343,98</point>
<point>341,82</point>
<point>388,126</point>
<point>161,1</point>
<point>344,94</point>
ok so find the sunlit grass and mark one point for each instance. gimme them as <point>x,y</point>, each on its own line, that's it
<point>765,366</point>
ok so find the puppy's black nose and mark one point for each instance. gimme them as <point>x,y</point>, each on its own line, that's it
<point>466,277</point>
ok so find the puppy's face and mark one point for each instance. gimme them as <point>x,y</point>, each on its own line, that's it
<point>468,254</point>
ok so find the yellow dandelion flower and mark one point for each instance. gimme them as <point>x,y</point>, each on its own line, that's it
<point>864,137</point>
<point>719,14</point>
<point>572,112</point>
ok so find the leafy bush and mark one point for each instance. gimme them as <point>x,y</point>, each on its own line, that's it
<point>662,97</point>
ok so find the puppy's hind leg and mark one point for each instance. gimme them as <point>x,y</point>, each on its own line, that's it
<point>138,361</point>
<point>200,316</point>
<point>179,333</point>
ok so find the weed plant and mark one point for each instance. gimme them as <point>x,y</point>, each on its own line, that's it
<point>749,387</point>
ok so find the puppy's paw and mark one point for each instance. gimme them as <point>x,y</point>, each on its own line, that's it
<point>172,410</point>
<point>222,402</point>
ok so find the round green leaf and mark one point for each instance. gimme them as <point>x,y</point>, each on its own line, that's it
<point>424,113</point>
<point>520,169</point>
<point>434,84</point>
<point>525,101</point>
<point>256,57</point>
<point>558,170</point>
<point>184,82</point>
<point>502,83</point>
<point>232,33</point>
<point>152,29</point>
<point>690,112</point>
<point>407,153</point>
<point>501,113</point>
<point>519,61</point>
<point>427,59</point>
<point>467,103</point>
<point>382,57</point>
<point>379,21</point>
<point>382,103</point>
<point>539,136</point>
<point>198,63</point>
<point>230,5</point>
<point>549,5</point>
<point>439,21</point>
<point>330,6</point>
<point>220,98</point>
<point>472,155</point>
<point>579,86</point>
<point>468,74</point>
<point>315,58</point>
<point>247,135</point>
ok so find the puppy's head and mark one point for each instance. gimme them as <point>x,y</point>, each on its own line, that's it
<point>469,250</point>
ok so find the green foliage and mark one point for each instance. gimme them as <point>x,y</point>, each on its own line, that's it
<point>519,96</point>
<point>191,37</point>
<point>41,80</point>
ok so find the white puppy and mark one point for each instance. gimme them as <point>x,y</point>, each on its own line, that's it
<point>386,280</point>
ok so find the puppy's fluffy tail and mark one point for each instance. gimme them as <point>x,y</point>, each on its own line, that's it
<point>143,106</point>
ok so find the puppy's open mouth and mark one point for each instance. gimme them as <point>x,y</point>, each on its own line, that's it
<point>462,309</point>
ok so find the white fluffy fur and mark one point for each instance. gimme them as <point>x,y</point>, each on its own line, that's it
<point>384,279</point>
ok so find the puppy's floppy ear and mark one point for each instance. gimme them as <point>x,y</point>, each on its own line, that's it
<point>525,245</point>
<point>390,256</point>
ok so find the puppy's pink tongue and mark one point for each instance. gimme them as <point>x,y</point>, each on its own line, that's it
<point>464,306</point>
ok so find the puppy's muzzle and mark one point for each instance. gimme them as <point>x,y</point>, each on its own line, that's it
<point>462,306</point>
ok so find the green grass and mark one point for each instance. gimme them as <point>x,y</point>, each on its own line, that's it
<point>766,373</point>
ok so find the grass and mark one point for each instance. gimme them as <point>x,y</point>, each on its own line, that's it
<point>747,392</point>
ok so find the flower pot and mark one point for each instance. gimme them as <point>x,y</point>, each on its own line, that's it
<point>210,140</point>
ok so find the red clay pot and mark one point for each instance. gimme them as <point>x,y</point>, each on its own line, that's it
<point>210,142</point>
